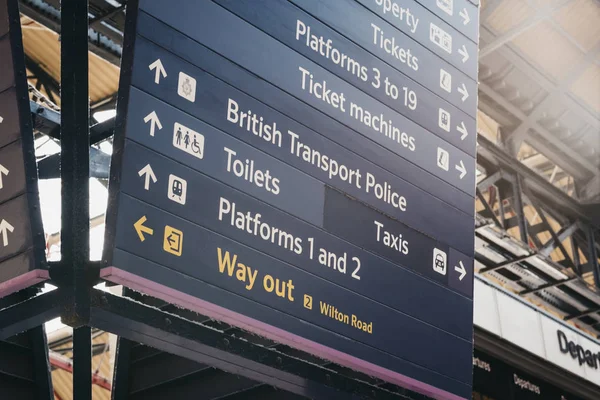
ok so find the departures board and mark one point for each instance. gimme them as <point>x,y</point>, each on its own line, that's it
<point>22,245</point>
<point>305,170</point>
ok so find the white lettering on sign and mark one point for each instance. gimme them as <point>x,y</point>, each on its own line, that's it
<point>253,123</point>
<point>327,50</point>
<point>246,170</point>
<point>526,385</point>
<point>482,364</point>
<point>324,162</point>
<point>384,191</point>
<point>406,96</point>
<point>252,224</point>
<point>403,14</point>
<point>391,240</point>
<point>388,44</point>
<point>377,122</point>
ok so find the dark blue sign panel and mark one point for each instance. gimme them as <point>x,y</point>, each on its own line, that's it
<point>383,39</point>
<point>301,113</point>
<point>236,215</point>
<point>21,232</point>
<point>309,153</point>
<point>449,158</point>
<point>214,259</point>
<point>341,57</point>
<point>463,15</point>
<point>245,185</point>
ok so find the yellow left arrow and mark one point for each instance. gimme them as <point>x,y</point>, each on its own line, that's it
<point>141,229</point>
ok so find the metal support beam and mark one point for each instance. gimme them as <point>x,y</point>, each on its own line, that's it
<point>173,334</point>
<point>73,272</point>
<point>492,154</point>
<point>582,314</point>
<point>593,255</point>
<point>506,263</point>
<point>106,16</point>
<point>43,377</point>
<point>29,313</point>
<point>489,212</point>
<point>49,167</point>
<point>560,236</point>
<point>489,180</point>
<point>518,208</point>
<point>82,363</point>
<point>555,241</point>
<point>547,286</point>
<point>45,120</point>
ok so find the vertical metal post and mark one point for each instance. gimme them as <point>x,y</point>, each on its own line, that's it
<point>82,363</point>
<point>518,207</point>
<point>576,258</point>
<point>593,255</point>
<point>74,172</point>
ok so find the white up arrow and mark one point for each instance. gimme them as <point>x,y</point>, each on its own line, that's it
<point>463,90</point>
<point>461,168</point>
<point>159,70</point>
<point>462,129</point>
<point>154,122</point>
<point>4,171</point>
<point>147,171</point>
<point>5,227</point>
<point>464,53</point>
<point>463,13</point>
<point>462,270</point>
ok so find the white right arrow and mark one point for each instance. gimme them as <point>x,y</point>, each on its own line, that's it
<point>154,122</point>
<point>1,119</point>
<point>461,168</point>
<point>147,171</point>
<point>465,16</point>
<point>160,70</point>
<point>462,270</point>
<point>462,129</point>
<point>462,89</point>
<point>5,227</point>
<point>4,171</point>
<point>464,53</point>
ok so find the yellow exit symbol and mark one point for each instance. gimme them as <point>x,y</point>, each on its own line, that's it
<point>173,242</point>
<point>308,302</point>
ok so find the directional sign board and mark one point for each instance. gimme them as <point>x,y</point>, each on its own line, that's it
<point>22,259</point>
<point>304,170</point>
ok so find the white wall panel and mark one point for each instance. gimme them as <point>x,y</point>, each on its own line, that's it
<point>484,308</point>
<point>520,324</point>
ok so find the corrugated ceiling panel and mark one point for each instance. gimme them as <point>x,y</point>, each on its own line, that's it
<point>549,49</point>
<point>587,87</point>
<point>43,47</point>
<point>509,14</point>
<point>104,78</point>
<point>581,20</point>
